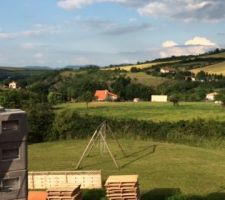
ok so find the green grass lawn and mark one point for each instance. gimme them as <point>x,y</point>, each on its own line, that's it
<point>150,111</point>
<point>160,166</point>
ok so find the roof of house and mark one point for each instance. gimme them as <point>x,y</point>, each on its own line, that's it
<point>102,94</point>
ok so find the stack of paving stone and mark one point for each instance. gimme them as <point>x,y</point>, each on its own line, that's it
<point>122,187</point>
<point>67,193</point>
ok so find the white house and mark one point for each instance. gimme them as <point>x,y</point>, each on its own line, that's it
<point>159,98</point>
<point>12,85</point>
<point>211,96</point>
<point>167,70</point>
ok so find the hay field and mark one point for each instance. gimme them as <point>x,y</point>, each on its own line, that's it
<point>140,66</point>
<point>218,68</point>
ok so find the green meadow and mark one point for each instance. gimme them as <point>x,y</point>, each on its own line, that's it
<point>164,169</point>
<point>150,111</point>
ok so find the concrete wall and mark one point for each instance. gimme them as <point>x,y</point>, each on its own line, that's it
<point>14,185</point>
<point>13,155</point>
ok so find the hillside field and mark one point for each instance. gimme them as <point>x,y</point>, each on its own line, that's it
<point>150,111</point>
<point>145,79</point>
<point>163,168</point>
<point>140,66</point>
<point>218,68</point>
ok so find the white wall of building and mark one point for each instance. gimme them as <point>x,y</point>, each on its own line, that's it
<point>159,98</point>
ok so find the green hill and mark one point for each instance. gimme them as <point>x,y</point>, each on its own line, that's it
<point>218,55</point>
<point>211,63</point>
<point>145,79</point>
<point>140,66</point>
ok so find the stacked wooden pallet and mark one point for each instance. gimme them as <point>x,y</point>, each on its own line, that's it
<point>67,193</point>
<point>122,187</point>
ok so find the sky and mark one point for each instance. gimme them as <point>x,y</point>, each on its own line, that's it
<point>58,33</point>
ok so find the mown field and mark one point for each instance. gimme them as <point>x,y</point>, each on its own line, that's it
<point>164,169</point>
<point>218,68</point>
<point>150,111</point>
<point>140,66</point>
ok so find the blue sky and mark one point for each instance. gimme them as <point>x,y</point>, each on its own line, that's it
<point>57,33</point>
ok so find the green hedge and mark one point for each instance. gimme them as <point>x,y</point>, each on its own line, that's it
<point>69,124</point>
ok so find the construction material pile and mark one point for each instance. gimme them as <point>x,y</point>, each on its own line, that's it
<point>67,193</point>
<point>122,187</point>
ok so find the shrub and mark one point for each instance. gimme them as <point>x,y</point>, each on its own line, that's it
<point>70,124</point>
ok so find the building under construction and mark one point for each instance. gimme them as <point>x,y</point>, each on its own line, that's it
<point>13,154</point>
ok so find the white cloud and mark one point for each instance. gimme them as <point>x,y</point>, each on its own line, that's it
<point>109,27</point>
<point>153,8</point>
<point>36,30</point>
<point>169,43</point>
<point>74,4</point>
<point>186,10</point>
<point>183,50</point>
<point>200,41</point>
<point>5,35</point>
<point>195,46</point>
<point>197,5</point>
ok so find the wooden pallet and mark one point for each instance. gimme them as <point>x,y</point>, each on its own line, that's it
<point>122,187</point>
<point>65,193</point>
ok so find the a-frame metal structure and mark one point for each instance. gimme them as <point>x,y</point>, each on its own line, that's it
<point>99,136</point>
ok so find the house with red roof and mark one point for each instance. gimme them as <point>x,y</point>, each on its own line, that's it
<point>105,95</point>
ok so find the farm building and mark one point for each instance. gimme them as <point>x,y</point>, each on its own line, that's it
<point>105,95</point>
<point>211,96</point>
<point>167,70</point>
<point>12,85</point>
<point>159,98</point>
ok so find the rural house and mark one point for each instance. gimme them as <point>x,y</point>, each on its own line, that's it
<point>211,96</point>
<point>12,85</point>
<point>167,70</point>
<point>105,95</point>
<point>159,98</point>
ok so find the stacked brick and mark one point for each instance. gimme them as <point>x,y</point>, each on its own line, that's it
<point>122,188</point>
<point>13,154</point>
<point>67,193</point>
